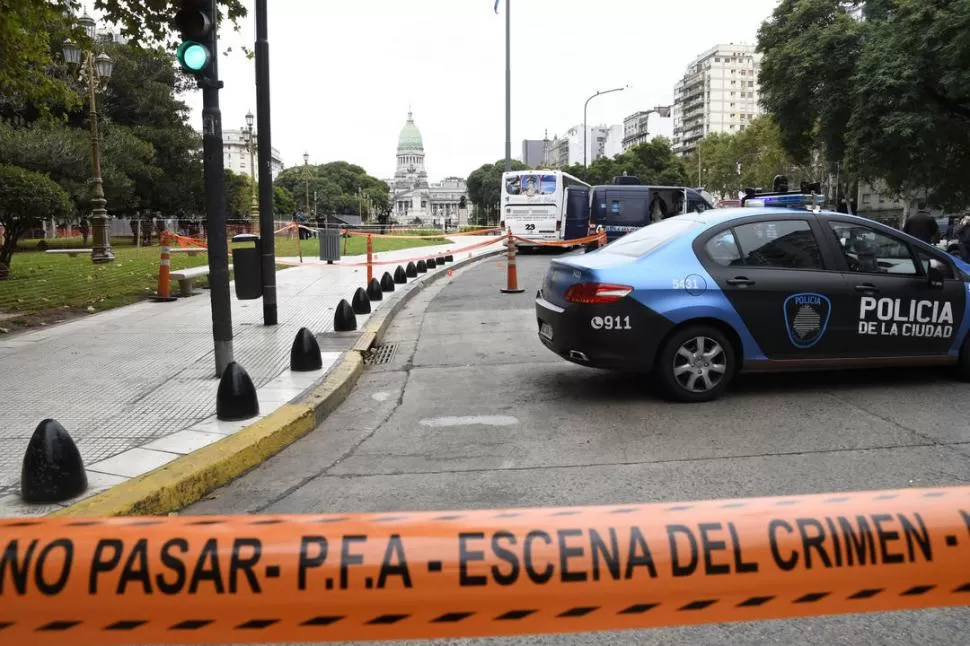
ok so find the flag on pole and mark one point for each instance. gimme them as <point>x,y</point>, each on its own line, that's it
<point>496,5</point>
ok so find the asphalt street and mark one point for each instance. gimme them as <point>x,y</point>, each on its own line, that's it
<point>470,410</point>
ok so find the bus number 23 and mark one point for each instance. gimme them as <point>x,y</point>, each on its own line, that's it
<point>530,227</point>
<point>610,323</point>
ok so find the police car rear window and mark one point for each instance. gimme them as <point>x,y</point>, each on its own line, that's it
<point>641,242</point>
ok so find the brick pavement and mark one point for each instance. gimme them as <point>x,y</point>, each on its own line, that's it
<point>135,386</point>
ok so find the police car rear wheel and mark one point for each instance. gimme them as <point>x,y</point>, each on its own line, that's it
<point>695,365</point>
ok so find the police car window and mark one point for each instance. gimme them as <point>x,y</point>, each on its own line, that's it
<point>723,249</point>
<point>643,241</point>
<point>924,260</point>
<point>868,251</point>
<point>787,244</point>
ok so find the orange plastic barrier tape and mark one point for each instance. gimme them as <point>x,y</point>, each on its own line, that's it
<point>250,579</point>
<point>562,243</point>
<point>187,241</point>
<point>426,237</point>
<point>450,252</point>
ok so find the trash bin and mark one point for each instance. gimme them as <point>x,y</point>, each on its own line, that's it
<point>329,244</point>
<point>247,267</point>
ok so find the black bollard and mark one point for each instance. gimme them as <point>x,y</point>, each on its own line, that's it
<point>52,469</point>
<point>361,303</point>
<point>305,353</point>
<point>422,267</point>
<point>411,270</point>
<point>344,319</point>
<point>387,282</point>
<point>440,260</point>
<point>400,276</point>
<point>374,290</point>
<point>449,258</point>
<point>236,398</point>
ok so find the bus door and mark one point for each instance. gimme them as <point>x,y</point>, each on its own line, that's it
<point>577,220</point>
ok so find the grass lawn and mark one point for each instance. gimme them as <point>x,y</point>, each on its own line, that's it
<point>46,288</point>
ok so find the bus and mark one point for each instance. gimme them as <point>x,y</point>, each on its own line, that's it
<point>544,205</point>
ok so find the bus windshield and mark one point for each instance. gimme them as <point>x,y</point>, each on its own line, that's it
<point>531,184</point>
<point>534,206</point>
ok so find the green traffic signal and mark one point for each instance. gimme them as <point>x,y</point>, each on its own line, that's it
<point>192,56</point>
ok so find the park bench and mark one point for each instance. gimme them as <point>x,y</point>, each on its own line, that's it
<point>73,253</point>
<point>185,277</point>
<point>192,251</point>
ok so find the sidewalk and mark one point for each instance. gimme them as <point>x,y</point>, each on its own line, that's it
<point>135,386</point>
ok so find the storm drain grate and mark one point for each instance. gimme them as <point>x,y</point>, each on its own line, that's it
<point>380,354</point>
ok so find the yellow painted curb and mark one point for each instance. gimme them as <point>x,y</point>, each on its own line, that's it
<point>188,478</point>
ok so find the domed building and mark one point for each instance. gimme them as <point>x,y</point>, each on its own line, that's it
<point>411,194</point>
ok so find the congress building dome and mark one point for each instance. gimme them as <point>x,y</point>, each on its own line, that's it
<point>410,139</point>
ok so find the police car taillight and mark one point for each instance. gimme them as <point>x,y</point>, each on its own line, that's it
<point>597,293</point>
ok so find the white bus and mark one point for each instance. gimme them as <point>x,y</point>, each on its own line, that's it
<point>546,205</point>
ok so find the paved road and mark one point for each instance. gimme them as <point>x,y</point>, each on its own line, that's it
<point>551,433</point>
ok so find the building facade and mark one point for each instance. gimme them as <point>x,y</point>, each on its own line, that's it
<point>534,152</point>
<point>718,93</point>
<point>636,129</point>
<point>568,149</point>
<point>235,155</point>
<point>614,141</point>
<point>413,197</point>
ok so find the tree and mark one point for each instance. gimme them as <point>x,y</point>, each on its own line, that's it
<point>32,31</point>
<point>25,198</point>
<point>757,150</point>
<point>879,87</point>
<point>238,189</point>
<point>810,49</point>
<point>653,162</point>
<point>336,185</point>
<point>284,206</point>
<point>911,120</point>
<point>485,187</point>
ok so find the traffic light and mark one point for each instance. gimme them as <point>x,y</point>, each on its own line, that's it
<point>195,21</point>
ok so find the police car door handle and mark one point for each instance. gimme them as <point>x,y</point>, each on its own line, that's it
<point>866,287</point>
<point>740,281</point>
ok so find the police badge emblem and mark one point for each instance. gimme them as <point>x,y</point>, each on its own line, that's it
<point>806,318</point>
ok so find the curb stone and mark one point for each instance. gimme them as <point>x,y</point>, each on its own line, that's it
<point>189,478</point>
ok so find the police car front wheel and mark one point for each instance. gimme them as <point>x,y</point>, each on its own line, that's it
<point>695,364</point>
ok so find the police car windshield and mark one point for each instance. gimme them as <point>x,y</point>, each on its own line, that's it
<point>641,242</point>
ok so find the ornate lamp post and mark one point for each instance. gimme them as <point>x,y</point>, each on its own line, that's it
<point>251,147</point>
<point>306,179</point>
<point>95,70</point>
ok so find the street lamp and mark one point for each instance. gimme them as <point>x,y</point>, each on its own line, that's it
<point>95,70</point>
<point>585,106</point>
<point>250,133</point>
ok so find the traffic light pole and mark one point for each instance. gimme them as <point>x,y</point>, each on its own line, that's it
<point>215,201</point>
<point>264,135</point>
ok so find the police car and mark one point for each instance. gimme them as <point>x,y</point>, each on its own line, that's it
<point>698,298</point>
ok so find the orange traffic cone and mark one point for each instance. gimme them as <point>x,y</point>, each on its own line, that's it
<point>164,273</point>
<point>512,285</point>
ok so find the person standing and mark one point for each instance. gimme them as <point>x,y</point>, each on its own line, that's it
<point>922,225</point>
<point>962,233</point>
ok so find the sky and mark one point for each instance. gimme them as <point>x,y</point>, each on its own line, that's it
<point>343,74</point>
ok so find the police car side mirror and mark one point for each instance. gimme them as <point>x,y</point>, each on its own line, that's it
<point>936,274</point>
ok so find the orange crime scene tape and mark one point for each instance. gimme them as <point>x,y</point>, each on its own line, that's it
<point>261,579</point>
